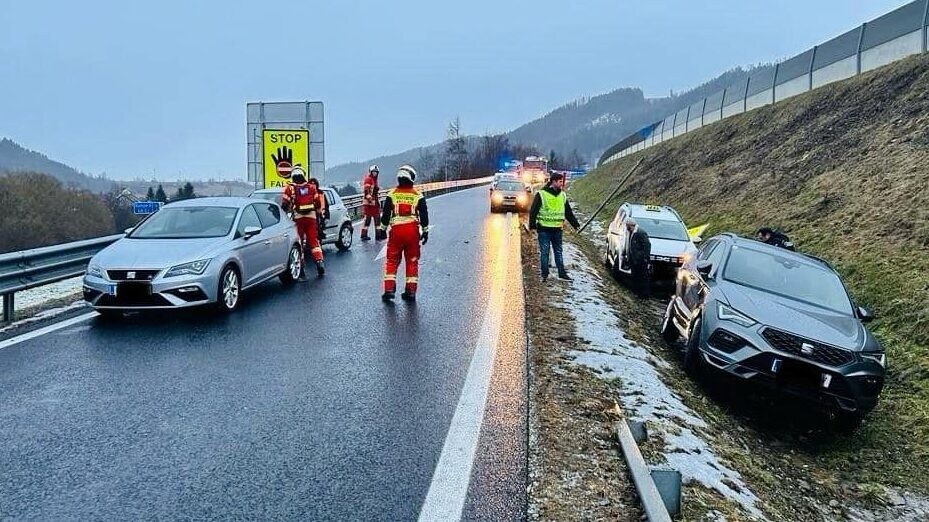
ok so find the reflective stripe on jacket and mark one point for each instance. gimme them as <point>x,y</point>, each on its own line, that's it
<point>405,202</point>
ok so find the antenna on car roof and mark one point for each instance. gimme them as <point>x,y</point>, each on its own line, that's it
<point>612,195</point>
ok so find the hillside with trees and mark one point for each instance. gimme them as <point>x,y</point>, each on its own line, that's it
<point>580,129</point>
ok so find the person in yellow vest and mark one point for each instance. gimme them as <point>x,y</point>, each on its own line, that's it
<point>549,210</point>
<point>407,215</point>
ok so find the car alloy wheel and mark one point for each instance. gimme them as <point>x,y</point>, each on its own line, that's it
<point>345,238</point>
<point>229,289</point>
<point>294,266</point>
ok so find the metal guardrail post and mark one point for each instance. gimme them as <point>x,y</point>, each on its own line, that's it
<point>858,51</point>
<point>652,503</point>
<point>8,307</point>
<point>925,28</point>
<point>809,73</point>
<point>777,69</point>
<point>748,82</point>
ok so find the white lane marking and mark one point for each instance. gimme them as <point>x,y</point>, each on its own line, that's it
<point>449,488</point>
<point>46,329</point>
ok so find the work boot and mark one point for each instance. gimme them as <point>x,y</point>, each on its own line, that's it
<point>364,236</point>
<point>408,296</point>
<point>388,296</point>
<point>564,276</point>
<point>320,269</point>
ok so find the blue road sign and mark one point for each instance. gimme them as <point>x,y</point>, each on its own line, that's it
<point>145,207</point>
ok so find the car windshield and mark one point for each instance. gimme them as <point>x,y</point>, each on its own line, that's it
<point>187,223</point>
<point>663,229</point>
<point>788,277</point>
<point>509,185</point>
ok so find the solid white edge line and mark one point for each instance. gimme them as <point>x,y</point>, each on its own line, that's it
<point>46,330</point>
<point>452,476</point>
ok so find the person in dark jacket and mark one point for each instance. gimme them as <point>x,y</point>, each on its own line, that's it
<point>775,237</point>
<point>639,252</point>
<point>550,209</point>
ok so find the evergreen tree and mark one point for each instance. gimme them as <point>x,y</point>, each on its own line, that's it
<point>150,195</point>
<point>160,194</point>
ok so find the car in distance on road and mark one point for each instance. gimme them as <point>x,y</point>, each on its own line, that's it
<point>671,244</point>
<point>784,319</point>
<point>339,230</point>
<point>194,252</point>
<point>509,195</point>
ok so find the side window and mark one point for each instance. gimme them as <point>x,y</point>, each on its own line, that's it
<point>268,214</point>
<point>249,219</point>
<point>706,249</point>
<point>717,255</point>
<point>330,197</point>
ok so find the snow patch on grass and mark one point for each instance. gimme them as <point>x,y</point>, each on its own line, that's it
<point>645,396</point>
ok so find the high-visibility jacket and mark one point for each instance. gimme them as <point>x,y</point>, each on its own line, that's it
<point>302,199</point>
<point>405,203</point>
<point>552,211</point>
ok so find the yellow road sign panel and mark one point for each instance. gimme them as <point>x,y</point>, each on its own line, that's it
<point>284,149</point>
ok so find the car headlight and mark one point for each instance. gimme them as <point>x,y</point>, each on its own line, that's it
<point>878,357</point>
<point>95,270</point>
<point>193,268</point>
<point>498,197</point>
<point>727,313</point>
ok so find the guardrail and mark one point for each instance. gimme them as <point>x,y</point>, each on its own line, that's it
<point>41,266</point>
<point>896,35</point>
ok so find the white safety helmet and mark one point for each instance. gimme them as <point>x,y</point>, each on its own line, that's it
<point>373,168</point>
<point>297,171</point>
<point>406,171</point>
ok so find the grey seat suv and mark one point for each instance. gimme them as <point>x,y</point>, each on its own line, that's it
<point>778,318</point>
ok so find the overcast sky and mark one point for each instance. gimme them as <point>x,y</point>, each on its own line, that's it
<point>159,87</point>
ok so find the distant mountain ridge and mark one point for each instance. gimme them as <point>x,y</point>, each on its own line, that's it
<point>589,125</point>
<point>16,158</point>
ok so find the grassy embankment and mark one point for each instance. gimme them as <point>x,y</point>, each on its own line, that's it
<point>845,171</point>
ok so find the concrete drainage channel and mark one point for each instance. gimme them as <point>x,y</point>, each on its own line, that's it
<point>659,488</point>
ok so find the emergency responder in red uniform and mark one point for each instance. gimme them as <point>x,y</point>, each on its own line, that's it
<point>300,197</point>
<point>369,201</point>
<point>405,212</point>
<point>322,210</point>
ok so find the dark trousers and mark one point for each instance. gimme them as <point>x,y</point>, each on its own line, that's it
<point>550,239</point>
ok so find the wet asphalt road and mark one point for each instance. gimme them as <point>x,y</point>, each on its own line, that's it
<point>316,402</point>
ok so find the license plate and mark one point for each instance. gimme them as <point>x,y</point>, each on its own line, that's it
<point>800,374</point>
<point>111,289</point>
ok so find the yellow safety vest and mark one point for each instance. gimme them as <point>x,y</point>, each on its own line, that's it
<point>405,203</point>
<point>552,212</point>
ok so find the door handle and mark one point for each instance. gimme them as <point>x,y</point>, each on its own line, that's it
<point>267,241</point>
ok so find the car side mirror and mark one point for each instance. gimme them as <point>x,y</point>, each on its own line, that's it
<point>251,231</point>
<point>704,268</point>
<point>128,231</point>
<point>696,240</point>
<point>865,315</point>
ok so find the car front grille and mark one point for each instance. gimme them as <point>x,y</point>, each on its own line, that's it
<point>807,348</point>
<point>136,275</point>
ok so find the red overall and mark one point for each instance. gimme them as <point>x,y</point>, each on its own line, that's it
<point>403,239</point>
<point>369,204</point>
<point>302,199</point>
